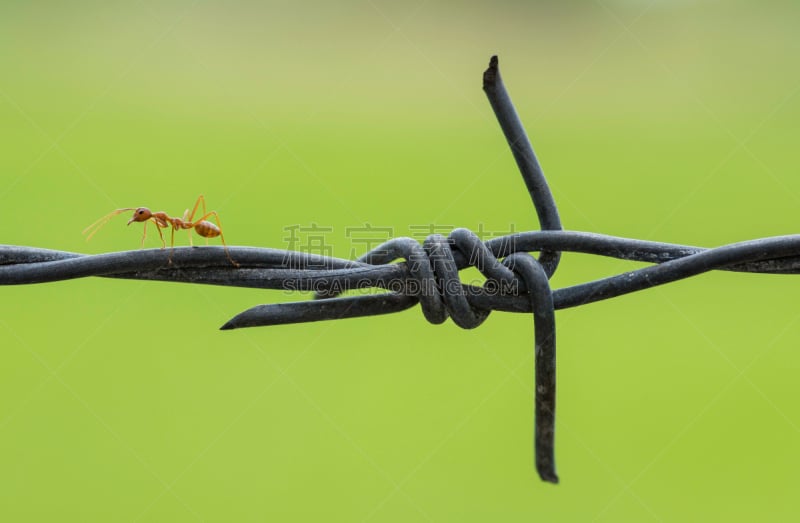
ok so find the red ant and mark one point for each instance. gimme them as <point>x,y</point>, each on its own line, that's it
<point>204,228</point>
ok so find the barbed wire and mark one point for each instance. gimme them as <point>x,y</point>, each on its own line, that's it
<point>429,275</point>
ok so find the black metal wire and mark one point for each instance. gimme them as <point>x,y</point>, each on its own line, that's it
<point>289,270</point>
<point>526,159</point>
<point>429,274</point>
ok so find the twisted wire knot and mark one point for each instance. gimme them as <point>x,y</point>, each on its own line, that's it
<point>434,267</point>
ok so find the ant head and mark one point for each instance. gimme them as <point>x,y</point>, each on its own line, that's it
<point>142,214</point>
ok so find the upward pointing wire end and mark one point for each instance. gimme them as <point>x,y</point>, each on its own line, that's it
<point>516,281</point>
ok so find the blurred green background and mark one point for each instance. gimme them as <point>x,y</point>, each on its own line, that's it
<point>664,120</point>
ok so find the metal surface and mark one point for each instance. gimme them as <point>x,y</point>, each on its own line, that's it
<point>429,274</point>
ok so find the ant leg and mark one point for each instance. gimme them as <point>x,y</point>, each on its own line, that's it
<point>158,228</point>
<point>171,245</point>
<point>188,219</point>
<point>144,235</point>
<point>221,236</point>
<point>200,200</point>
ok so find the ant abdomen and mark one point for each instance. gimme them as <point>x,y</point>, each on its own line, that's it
<point>207,229</point>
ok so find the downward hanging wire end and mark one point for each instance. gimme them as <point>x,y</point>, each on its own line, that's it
<point>549,478</point>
